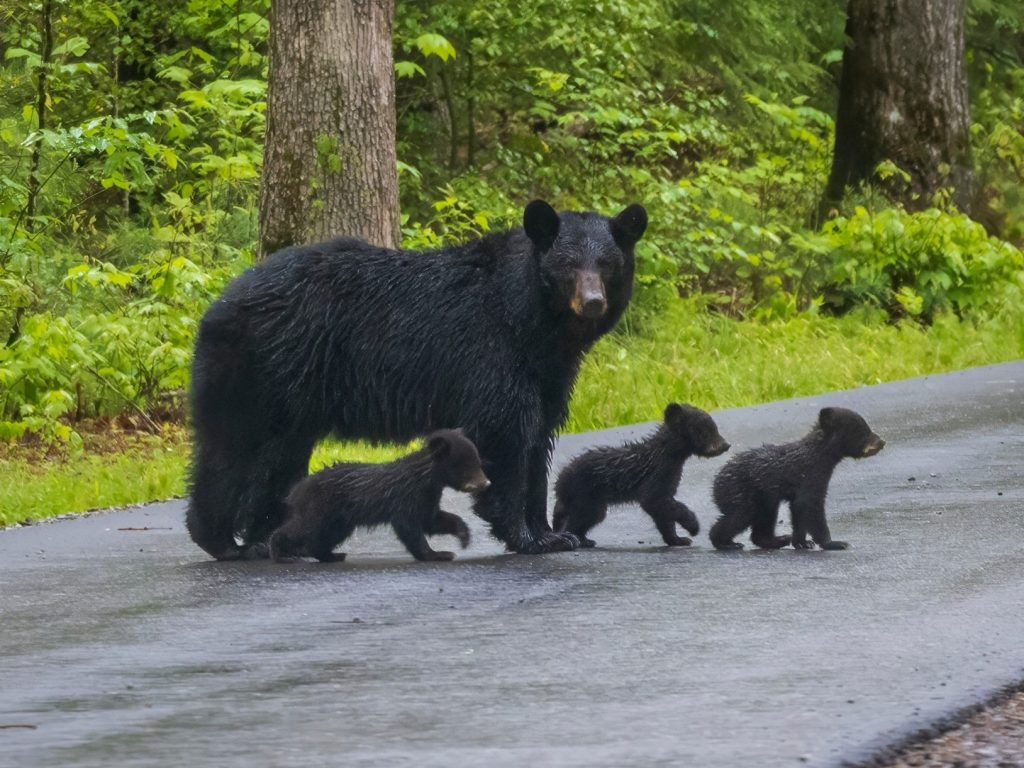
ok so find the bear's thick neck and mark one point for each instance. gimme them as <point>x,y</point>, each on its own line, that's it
<point>824,445</point>
<point>668,444</point>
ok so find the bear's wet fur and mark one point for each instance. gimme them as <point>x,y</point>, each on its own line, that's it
<point>647,471</point>
<point>325,508</point>
<point>750,488</point>
<point>367,343</point>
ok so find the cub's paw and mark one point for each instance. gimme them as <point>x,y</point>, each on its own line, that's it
<point>257,551</point>
<point>678,541</point>
<point>332,557</point>
<point>803,544</point>
<point>586,543</point>
<point>437,556</point>
<point>836,545</point>
<point>727,546</point>
<point>773,542</point>
<point>231,553</point>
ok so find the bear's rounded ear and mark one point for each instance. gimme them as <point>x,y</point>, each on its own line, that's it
<point>673,413</point>
<point>629,226</point>
<point>827,419</point>
<point>439,446</point>
<point>541,223</point>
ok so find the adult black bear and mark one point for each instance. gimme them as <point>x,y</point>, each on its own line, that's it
<point>385,345</point>
<point>325,508</point>
<point>751,486</point>
<point>647,471</point>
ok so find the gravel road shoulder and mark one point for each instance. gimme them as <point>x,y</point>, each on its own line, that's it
<point>992,737</point>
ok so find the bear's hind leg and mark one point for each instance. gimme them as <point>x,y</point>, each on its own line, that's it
<point>560,517</point>
<point>331,536</point>
<point>762,532</point>
<point>582,517</point>
<point>282,547</point>
<point>737,515</point>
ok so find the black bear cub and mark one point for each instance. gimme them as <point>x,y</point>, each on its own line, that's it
<point>324,508</point>
<point>751,486</point>
<point>647,471</point>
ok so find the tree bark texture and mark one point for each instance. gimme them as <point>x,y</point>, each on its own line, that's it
<point>46,50</point>
<point>903,97</point>
<point>329,165</point>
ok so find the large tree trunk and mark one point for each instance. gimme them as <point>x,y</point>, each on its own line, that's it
<point>329,164</point>
<point>46,49</point>
<point>903,97</point>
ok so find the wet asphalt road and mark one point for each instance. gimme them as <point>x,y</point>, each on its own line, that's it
<point>129,648</point>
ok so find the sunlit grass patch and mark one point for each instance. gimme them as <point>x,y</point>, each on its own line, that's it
<point>712,361</point>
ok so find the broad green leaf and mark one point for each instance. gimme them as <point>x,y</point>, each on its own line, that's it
<point>408,69</point>
<point>433,44</point>
<point>73,46</point>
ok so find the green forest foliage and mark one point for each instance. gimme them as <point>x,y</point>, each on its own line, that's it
<point>131,139</point>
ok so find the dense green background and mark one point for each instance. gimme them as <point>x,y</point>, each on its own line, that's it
<point>715,114</point>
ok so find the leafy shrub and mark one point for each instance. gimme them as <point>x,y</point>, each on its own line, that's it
<point>917,264</point>
<point>131,200</point>
<point>125,339</point>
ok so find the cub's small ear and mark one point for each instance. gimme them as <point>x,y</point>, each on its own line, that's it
<point>673,413</point>
<point>541,223</point>
<point>827,419</point>
<point>439,446</point>
<point>629,226</point>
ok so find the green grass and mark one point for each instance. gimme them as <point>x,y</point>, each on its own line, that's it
<point>684,354</point>
<point>713,362</point>
<point>30,488</point>
<point>35,487</point>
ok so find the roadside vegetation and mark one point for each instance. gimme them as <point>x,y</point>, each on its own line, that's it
<point>130,159</point>
<point>684,354</point>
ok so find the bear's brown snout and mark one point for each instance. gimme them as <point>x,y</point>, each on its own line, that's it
<point>589,300</point>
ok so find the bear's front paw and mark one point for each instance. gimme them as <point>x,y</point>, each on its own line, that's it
<point>802,544</point>
<point>586,543</point>
<point>569,540</point>
<point>727,546</point>
<point>332,557</point>
<point>678,541</point>
<point>259,550</point>
<point>772,542</point>
<point>436,556</point>
<point>231,553</point>
<point>836,545</point>
<point>549,541</point>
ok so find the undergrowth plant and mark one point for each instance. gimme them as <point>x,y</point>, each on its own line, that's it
<point>131,151</point>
